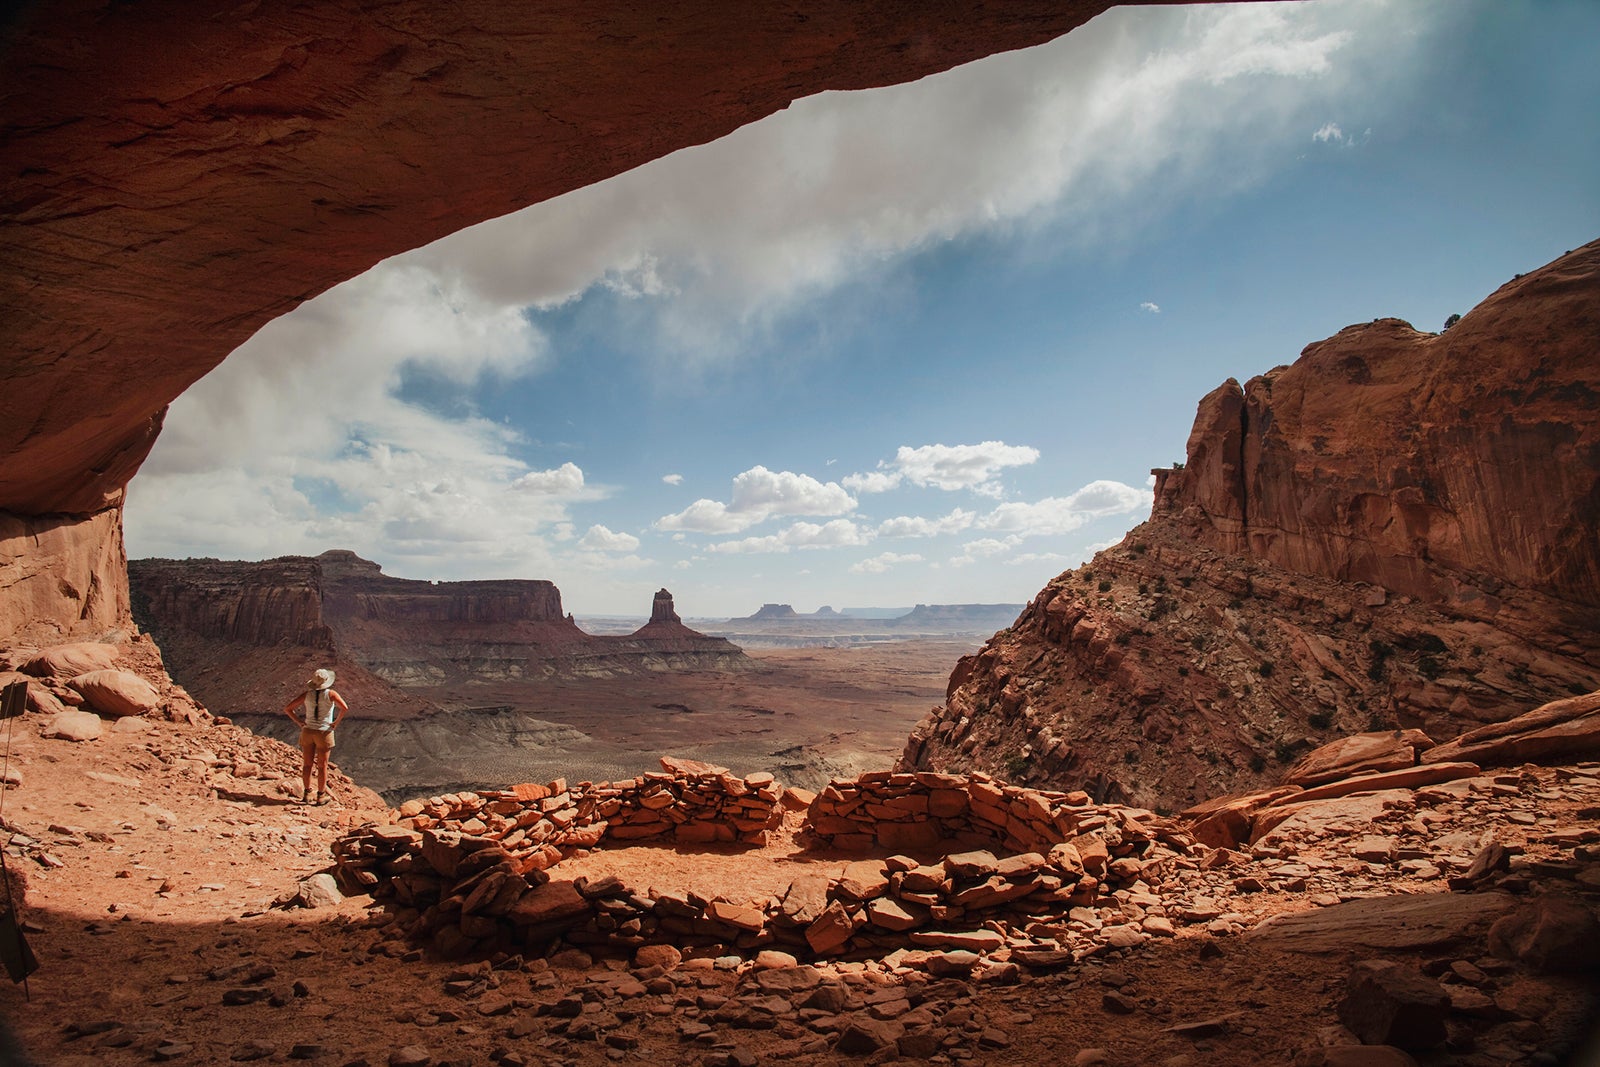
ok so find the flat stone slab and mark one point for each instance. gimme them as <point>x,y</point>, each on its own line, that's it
<point>1407,921</point>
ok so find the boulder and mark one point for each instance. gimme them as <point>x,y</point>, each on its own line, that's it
<point>1565,730</point>
<point>1403,778</point>
<point>320,891</point>
<point>1386,750</point>
<point>1226,821</point>
<point>1401,922</point>
<point>1549,934</point>
<point>67,661</point>
<point>74,726</point>
<point>117,693</point>
<point>1388,1003</point>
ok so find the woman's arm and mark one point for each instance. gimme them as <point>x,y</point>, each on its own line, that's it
<point>343,707</point>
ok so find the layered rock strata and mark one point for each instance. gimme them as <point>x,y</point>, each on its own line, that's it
<point>235,631</point>
<point>1402,530</point>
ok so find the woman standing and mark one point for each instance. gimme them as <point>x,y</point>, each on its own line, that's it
<point>316,730</point>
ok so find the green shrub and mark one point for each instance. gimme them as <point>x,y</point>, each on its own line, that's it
<point>1104,586</point>
<point>1320,720</point>
<point>1266,668</point>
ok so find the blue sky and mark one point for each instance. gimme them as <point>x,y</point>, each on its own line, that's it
<point>916,344</point>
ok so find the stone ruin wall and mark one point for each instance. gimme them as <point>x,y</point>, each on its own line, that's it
<point>470,873</point>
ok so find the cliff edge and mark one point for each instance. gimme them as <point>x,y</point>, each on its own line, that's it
<point>1402,529</point>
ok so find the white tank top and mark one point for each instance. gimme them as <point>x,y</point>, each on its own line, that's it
<point>319,710</point>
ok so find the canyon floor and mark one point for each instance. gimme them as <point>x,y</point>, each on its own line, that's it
<point>805,715</point>
<point>152,859</point>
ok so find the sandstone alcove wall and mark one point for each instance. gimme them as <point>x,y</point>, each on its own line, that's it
<point>180,172</point>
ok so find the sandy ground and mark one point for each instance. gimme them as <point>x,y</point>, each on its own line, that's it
<point>806,715</point>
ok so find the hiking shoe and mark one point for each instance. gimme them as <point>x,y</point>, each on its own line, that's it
<point>305,798</point>
<point>324,798</point>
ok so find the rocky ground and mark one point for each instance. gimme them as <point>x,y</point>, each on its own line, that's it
<point>153,856</point>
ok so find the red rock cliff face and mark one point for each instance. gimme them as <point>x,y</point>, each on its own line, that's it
<point>1411,460</point>
<point>234,630</point>
<point>1399,530</point>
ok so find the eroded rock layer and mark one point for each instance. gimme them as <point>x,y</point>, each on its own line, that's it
<point>235,631</point>
<point>1400,530</point>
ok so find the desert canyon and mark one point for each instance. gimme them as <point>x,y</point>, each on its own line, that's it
<point>1304,770</point>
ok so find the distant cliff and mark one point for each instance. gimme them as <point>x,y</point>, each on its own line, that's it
<point>1401,529</point>
<point>241,634</point>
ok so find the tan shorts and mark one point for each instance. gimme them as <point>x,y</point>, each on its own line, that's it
<point>313,740</point>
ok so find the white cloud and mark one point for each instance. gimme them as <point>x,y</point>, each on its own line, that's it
<point>883,561</point>
<point>758,495</point>
<point>601,539</point>
<point>840,533</point>
<point>1029,558</point>
<point>565,480</point>
<point>1070,131</point>
<point>961,466</point>
<point>872,481</point>
<point>1150,306</point>
<point>1059,515</point>
<point>917,526</point>
<point>672,479</point>
<point>984,548</point>
<point>949,467</point>
<point>1330,131</point>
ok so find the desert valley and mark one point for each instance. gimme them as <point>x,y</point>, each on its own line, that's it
<point>1304,769</point>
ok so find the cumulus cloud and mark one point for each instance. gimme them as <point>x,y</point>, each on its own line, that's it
<point>883,561</point>
<point>917,526</point>
<point>760,494</point>
<point>565,480</point>
<point>1330,131</point>
<point>305,438</point>
<point>672,479</point>
<point>1024,559</point>
<point>871,481</point>
<point>601,539</point>
<point>984,548</point>
<point>949,467</point>
<point>1059,515</point>
<point>1150,306</point>
<point>840,533</point>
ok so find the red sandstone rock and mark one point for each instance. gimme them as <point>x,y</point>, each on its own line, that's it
<point>1405,778</point>
<point>1562,729</point>
<point>1225,821</point>
<point>1400,529</point>
<point>237,630</point>
<point>1383,751</point>
<point>67,661</point>
<point>1550,934</point>
<point>117,693</point>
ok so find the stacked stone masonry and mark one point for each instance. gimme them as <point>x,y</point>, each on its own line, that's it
<point>1019,869</point>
